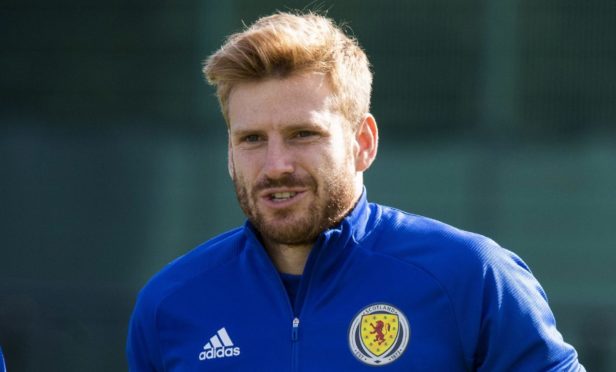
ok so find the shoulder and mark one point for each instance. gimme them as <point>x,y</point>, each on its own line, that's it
<point>409,235</point>
<point>482,281</point>
<point>206,257</point>
<point>143,351</point>
<point>451,255</point>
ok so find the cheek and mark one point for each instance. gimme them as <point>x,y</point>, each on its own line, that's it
<point>346,154</point>
<point>244,165</point>
<point>335,164</point>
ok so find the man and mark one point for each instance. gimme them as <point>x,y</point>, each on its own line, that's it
<point>318,278</point>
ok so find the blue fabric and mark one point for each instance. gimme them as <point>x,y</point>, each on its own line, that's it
<point>291,284</point>
<point>469,304</point>
<point>2,363</point>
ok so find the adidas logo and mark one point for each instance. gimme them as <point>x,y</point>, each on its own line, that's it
<point>220,346</point>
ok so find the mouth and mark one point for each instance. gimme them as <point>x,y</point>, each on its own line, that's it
<point>282,198</point>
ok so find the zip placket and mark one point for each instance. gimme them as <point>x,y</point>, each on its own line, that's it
<point>295,332</point>
<point>294,346</point>
<point>302,294</point>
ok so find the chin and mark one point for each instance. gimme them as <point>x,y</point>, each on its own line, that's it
<point>300,231</point>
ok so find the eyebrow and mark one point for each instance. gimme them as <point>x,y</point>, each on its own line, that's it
<point>287,128</point>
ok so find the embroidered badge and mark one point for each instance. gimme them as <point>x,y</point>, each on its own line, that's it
<point>379,334</point>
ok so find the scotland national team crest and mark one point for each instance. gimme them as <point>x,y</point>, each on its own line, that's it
<point>379,334</point>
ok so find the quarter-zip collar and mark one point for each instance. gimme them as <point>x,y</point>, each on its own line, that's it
<point>330,250</point>
<point>354,227</point>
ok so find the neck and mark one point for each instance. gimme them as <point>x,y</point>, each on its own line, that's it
<point>291,258</point>
<point>288,259</point>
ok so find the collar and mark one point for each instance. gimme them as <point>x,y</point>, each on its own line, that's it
<point>356,225</point>
<point>329,252</point>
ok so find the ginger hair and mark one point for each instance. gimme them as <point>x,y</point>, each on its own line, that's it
<point>287,44</point>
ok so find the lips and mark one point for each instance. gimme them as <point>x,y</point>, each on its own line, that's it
<point>281,196</point>
<point>283,192</point>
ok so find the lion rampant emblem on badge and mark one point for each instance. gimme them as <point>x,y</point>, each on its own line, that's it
<point>380,331</point>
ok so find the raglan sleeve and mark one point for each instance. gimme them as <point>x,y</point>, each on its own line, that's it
<point>517,328</point>
<point>142,350</point>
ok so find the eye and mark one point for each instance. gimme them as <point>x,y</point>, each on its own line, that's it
<point>305,134</point>
<point>251,138</point>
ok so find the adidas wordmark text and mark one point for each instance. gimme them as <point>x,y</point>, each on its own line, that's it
<point>219,346</point>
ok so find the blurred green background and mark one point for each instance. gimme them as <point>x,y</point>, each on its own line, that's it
<point>496,116</point>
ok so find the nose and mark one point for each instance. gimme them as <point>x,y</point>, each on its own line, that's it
<point>279,159</point>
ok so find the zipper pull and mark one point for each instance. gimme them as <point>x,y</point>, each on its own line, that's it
<point>295,330</point>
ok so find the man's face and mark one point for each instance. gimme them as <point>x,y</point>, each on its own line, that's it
<point>291,157</point>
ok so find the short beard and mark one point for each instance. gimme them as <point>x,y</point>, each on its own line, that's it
<point>332,202</point>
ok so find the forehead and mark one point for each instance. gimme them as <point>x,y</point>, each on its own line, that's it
<point>298,98</point>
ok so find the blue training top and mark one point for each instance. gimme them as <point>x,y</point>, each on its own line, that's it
<point>382,289</point>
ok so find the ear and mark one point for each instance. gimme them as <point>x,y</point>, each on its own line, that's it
<point>366,143</point>
<point>230,164</point>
